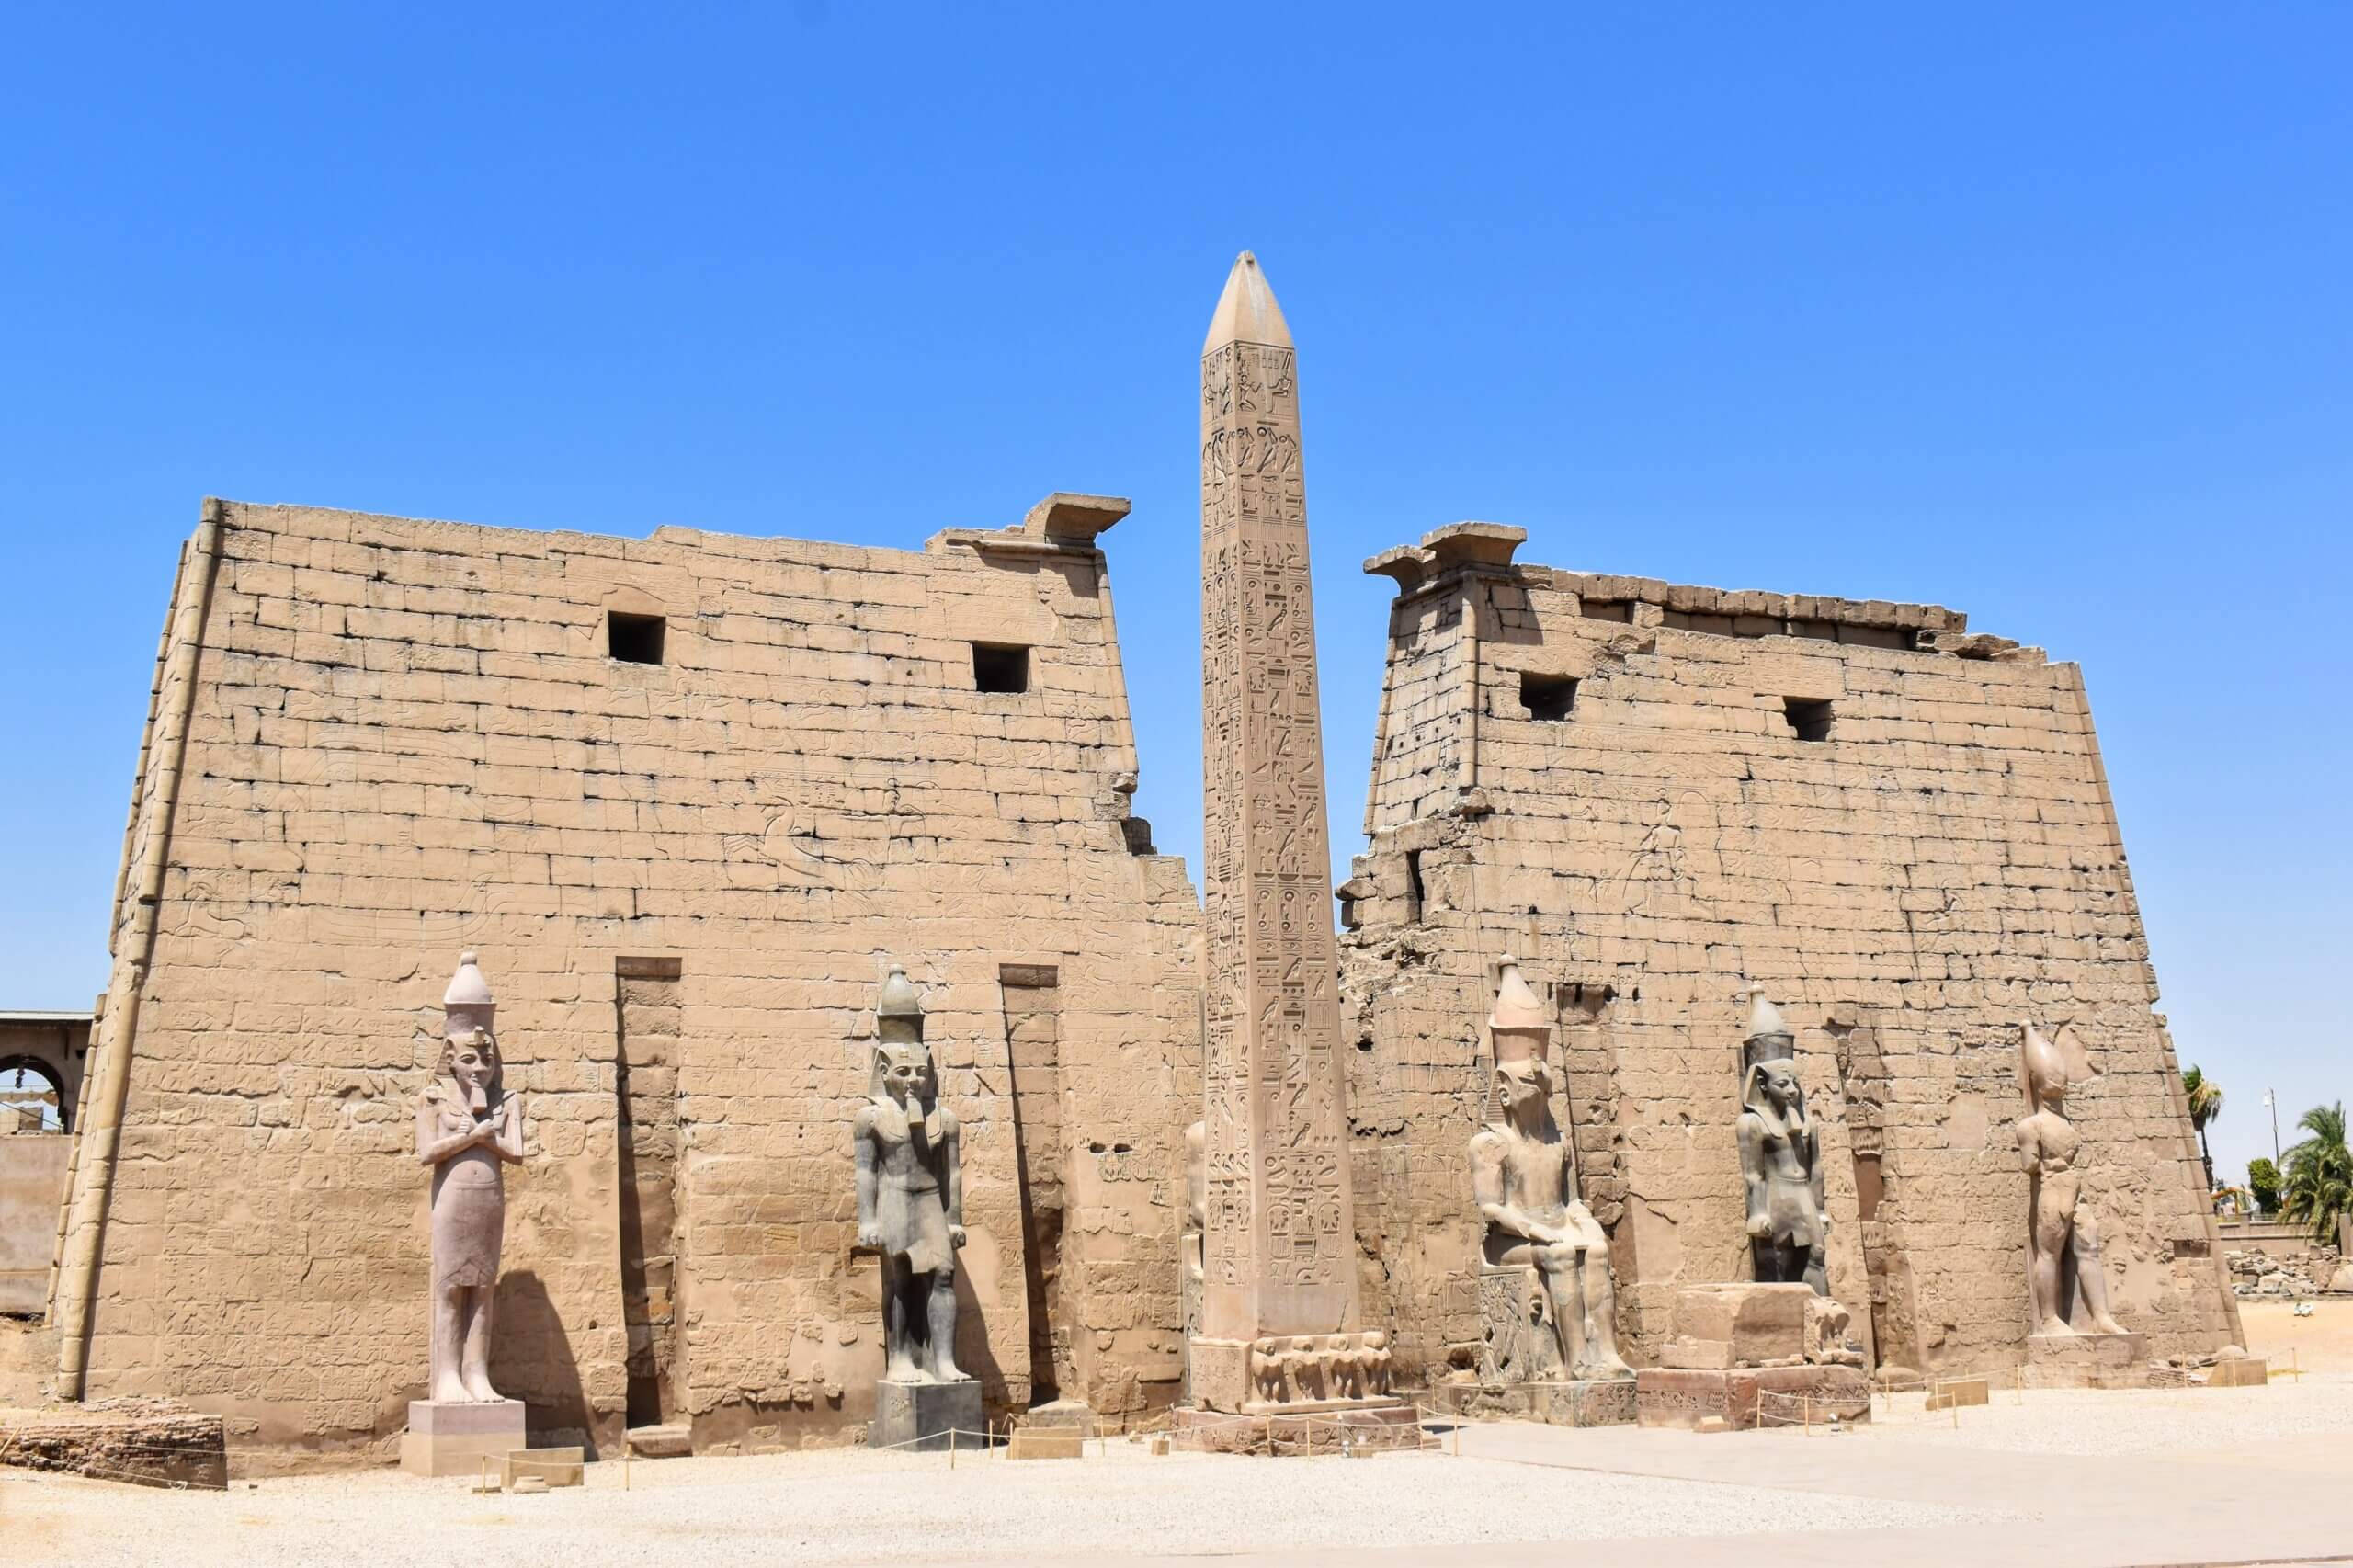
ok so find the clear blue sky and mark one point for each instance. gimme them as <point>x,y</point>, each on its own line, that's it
<point>2044,313</point>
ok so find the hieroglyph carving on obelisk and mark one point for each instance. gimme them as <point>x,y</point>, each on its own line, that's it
<point>1279,1241</point>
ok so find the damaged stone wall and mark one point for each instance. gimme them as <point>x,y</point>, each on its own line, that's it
<point>404,738</point>
<point>1654,793</point>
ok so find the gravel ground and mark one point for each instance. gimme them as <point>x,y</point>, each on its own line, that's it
<point>848,1505</point>
<point>851,1507</point>
<point>2184,1423</point>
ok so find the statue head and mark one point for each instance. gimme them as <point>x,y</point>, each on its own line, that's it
<point>1774,1083</point>
<point>902,1070</point>
<point>468,1051</point>
<point>902,1061</point>
<point>1523,1082</point>
<point>1521,1032</point>
<point>2048,1063</point>
<point>469,1060</point>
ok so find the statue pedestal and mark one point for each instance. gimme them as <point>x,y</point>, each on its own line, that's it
<point>2087,1361</point>
<point>453,1439</point>
<point>1743,1397</point>
<point>1560,1403</point>
<point>917,1418</point>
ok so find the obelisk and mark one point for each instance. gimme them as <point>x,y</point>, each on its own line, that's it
<point>1279,1240</point>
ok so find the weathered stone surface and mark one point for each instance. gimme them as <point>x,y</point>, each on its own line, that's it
<point>919,1416</point>
<point>2087,1361</point>
<point>145,1442</point>
<point>1747,1397</point>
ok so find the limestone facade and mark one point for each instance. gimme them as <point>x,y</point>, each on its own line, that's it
<point>684,794</point>
<point>1657,795</point>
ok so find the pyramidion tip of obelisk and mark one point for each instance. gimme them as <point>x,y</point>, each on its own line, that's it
<point>1246,311</point>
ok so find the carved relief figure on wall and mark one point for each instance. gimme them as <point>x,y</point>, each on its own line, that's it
<point>910,1192</point>
<point>2063,1233</point>
<point>1780,1156</point>
<point>1523,1177</point>
<point>467,1128</point>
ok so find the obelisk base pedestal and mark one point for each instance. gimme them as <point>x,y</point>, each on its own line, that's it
<point>2087,1361</point>
<point>1595,1402</point>
<point>919,1417</point>
<point>1738,1398</point>
<point>454,1439</point>
<point>1328,1427</point>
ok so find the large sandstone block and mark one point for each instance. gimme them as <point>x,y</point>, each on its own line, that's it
<point>1722,1326</point>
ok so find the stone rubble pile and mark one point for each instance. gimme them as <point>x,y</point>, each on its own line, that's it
<point>2307,1273</point>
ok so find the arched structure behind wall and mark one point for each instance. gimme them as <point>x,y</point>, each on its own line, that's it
<point>31,1083</point>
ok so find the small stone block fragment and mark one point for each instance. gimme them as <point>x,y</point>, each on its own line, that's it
<point>550,1467</point>
<point>1046,1443</point>
<point>1951,1393</point>
<point>2239,1372</point>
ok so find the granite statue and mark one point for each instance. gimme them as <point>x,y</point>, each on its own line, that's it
<point>1523,1177</point>
<point>468,1129</point>
<point>910,1193</point>
<point>1780,1156</point>
<point>2063,1233</point>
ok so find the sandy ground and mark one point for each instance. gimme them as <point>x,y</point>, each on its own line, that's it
<point>850,1507</point>
<point>1910,1487</point>
<point>2322,1343</point>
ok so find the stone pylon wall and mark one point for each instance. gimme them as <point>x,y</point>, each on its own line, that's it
<point>405,738</point>
<point>1944,864</point>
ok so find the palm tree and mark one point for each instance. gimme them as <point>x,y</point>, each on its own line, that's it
<point>2205,1097</point>
<point>2318,1187</point>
